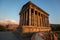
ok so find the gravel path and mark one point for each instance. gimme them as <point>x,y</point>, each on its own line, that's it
<point>7,35</point>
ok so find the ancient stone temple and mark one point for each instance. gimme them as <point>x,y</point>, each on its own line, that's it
<point>31,16</point>
<point>32,20</point>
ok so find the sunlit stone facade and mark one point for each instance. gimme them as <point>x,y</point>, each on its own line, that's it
<point>33,18</point>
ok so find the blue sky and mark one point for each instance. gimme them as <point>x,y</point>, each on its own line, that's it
<point>9,9</point>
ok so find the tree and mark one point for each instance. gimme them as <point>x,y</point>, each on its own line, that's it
<point>58,28</point>
<point>55,27</point>
<point>2,28</point>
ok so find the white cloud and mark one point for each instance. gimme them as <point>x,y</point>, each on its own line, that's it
<point>8,21</point>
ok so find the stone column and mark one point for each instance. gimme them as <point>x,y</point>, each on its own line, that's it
<point>27,19</point>
<point>48,22</point>
<point>24,18</point>
<point>29,16</point>
<point>41,21</point>
<point>21,19</point>
<point>34,17</point>
<point>45,21</point>
<point>37,19</point>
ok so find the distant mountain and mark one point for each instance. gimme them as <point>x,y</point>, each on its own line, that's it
<point>8,21</point>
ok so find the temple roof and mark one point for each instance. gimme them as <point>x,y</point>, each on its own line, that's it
<point>29,3</point>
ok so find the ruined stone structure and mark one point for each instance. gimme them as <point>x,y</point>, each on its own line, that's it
<point>32,20</point>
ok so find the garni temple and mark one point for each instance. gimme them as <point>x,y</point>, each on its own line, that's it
<point>31,16</point>
<point>34,22</point>
<point>33,25</point>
